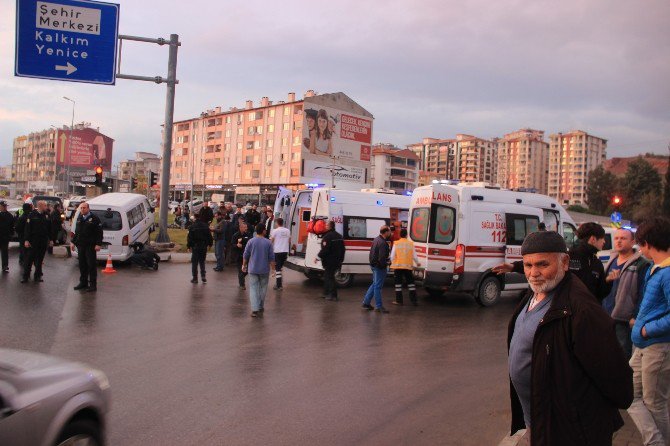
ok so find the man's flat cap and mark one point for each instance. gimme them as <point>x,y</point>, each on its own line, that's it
<point>543,241</point>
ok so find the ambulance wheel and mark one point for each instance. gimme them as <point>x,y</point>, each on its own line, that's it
<point>489,292</point>
<point>344,280</point>
<point>435,293</point>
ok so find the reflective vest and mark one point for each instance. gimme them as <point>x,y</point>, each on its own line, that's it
<point>404,254</point>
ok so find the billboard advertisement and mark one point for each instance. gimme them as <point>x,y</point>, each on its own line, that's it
<point>88,148</point>
<point>336,142</point>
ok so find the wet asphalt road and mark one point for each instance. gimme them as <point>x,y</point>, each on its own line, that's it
<point>187,364</point>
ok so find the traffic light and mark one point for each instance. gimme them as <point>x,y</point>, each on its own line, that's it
<point>133,183</point>
<point>616,201</point>
<point>153,179</point>
<point>98,175</point>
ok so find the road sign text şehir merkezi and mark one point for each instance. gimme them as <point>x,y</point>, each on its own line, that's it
<point>71,40</point>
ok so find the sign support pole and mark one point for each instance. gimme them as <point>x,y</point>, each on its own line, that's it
<point>171,82</point>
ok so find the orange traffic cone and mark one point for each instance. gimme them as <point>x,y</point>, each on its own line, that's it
<point>109,268</point>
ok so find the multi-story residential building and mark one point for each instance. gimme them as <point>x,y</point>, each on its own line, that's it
<point>261,147</point>
<point>523,160</point>
<point>464,158</point>
<point>394,168</point>
<point>140,167</point>
<point>5,173</point>
<point>572,156</point>
<point>41,161</point>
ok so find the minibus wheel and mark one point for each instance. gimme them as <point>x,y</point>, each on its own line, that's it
<point>489,291</point>
<point>344,280</point>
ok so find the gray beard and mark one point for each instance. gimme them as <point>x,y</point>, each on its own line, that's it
<point>548,285</point>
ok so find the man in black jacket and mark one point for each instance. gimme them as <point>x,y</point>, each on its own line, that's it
<point>20,227</point>
<point>199,239</point>
<point>331,255</point>
<point>37,238</point>
<point>568,374</point>
<point>253,217</point>
<point>379,260</point>
<point>6,232</point>
<point>88,241</point>
<point>584,261</point>
<point>240,240</point>
<point>206,213</point>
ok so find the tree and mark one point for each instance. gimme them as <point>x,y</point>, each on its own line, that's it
<point>600,187</point>
<point>665,208</point>
<point>641,179</point>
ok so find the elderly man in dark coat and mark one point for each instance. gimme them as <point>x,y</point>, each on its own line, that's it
<point>569,375</point>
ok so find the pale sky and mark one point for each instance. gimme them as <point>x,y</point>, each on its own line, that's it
<point>424,68</point>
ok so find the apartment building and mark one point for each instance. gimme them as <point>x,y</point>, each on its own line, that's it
<point>394,168</point>
<point>140,167</point>
<point>465,158</point>
<point>320,139</point>
<point>523,160</point>
<point>572,156</point>
<point>42,160</point>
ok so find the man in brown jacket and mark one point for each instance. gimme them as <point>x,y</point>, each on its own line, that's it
<point>568,373</point>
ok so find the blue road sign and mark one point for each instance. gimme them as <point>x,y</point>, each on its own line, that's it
<point>69,40</point>
<point>616,217</point>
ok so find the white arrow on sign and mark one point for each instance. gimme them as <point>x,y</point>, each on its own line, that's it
<point>69,68</point>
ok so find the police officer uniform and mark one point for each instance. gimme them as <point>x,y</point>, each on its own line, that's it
<point>37,233</point>
<point>584,263</point>
<point>87,236</point>
<point>6,231</point>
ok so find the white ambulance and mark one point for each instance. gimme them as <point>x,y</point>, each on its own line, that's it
<point>461,231</point>
<point>358,215</point>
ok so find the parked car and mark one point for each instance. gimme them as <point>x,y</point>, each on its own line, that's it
<point>48,401</point>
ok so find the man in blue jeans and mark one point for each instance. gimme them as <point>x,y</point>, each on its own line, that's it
<point>379,260</point>
<point>258,260</point>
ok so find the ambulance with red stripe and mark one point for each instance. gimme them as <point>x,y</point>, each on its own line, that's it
<point>461,231</point>
<point>358,215</point>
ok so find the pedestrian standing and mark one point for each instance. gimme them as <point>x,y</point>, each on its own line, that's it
<point>568,373</point>
<point>206,213</point>
<point>584,261</point>
<point>379,260</point>
<point>186,217</point>
<point>177,216</point>
<point>651,337</point>
<point>199,239</point>
<point>6,232</point>
<point>626,271</point>
<point>20,227</point>
<point>56,219</point>
<point>235,218</point>
<point>269,222</point>
<point>280,238</point>
<point>88,241</point>
<point>259,260</point>
<point>240,240</point>
<point>332,255</point>
<point>253,217</point>
<point>220,231</point>
<point>403,258</point>
<point>37,238</point>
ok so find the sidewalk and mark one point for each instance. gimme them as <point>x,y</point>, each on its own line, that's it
<point>626,436</point>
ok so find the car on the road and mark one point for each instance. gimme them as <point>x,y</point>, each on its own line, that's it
<point>48,401</point>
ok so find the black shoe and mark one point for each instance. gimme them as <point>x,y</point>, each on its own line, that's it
<point>92,289</point>
<point>332,298</point>
<point>395,302</point>
<point>194,280</point>
<point>218,269</point>
<point>278,288</point>
<point>255,314</point>
<point>5,270</point>
<point>38,279</point>
<point>381,310</point>
<point>81,286</point>
<point>204,280</point>
<point>242,287</point>
<point>367,307</point>
<point>415,303</point>
<point>24,280</point>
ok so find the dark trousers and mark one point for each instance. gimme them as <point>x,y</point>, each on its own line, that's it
<point>240,274</point>
<point>198,256</point>
<point>22,251</point>
<point>623,332</point>
<point>329,285</point>
<point>280,258</point>
<point>4,253</point>
<point>34,256</point>
<point>406,276</point>
<point>88,272</point>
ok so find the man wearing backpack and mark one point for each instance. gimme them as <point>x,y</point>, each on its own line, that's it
<point>331,255</point>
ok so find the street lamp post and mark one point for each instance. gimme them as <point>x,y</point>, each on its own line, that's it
<point>69,145</point>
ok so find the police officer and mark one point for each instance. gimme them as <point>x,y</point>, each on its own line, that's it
<point>584,262</point>
<point>6,231</point>
<point>37,238</point>
<point>88,240</point>
<point>332,255</point>
<point>20,227</point>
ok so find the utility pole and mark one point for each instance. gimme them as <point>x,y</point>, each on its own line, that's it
<point>69,146</point>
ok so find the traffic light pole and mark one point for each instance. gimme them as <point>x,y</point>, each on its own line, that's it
<point>171,82</point>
